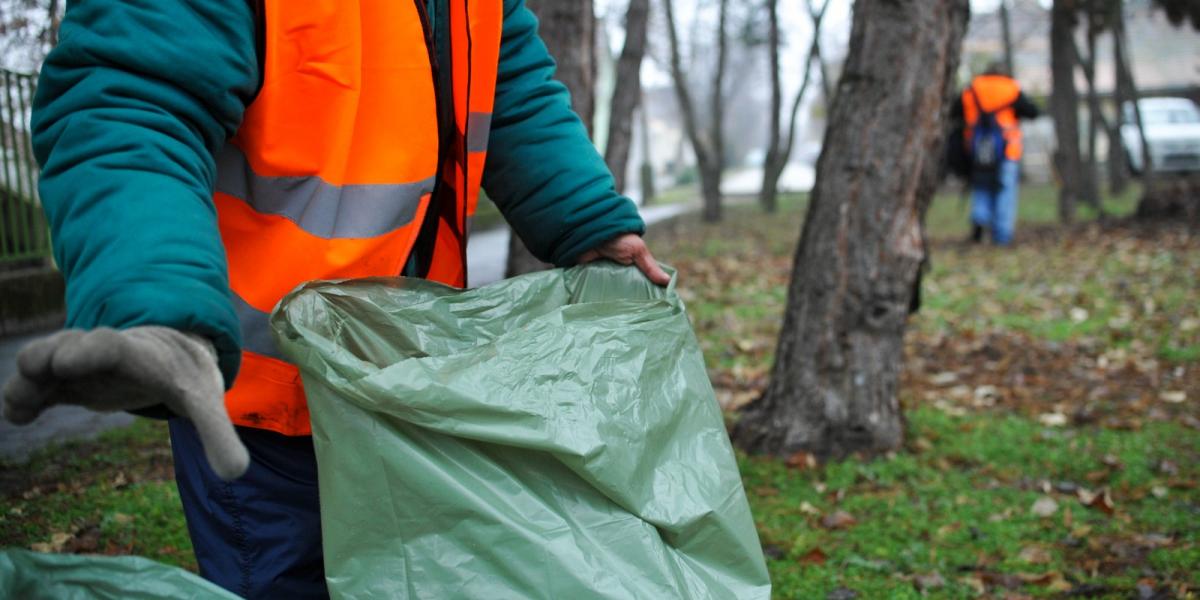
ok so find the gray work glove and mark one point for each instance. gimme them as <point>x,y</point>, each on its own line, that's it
<point>108,370</point>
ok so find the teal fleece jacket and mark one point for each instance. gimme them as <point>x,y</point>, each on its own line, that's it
<point>138,97</point>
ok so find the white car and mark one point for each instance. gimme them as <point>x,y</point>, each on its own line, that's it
<point>1172,133</point>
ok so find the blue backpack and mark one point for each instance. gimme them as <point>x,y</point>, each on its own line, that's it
<point>987,147</point>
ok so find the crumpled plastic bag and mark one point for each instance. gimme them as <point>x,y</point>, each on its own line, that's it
<point>41,576</point>
<point>550,436</point>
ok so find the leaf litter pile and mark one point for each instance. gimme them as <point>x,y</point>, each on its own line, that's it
<point>1052,392</point>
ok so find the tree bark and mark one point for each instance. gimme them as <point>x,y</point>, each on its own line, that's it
<point>1118,160</point>
<point>53,19</point>
<point>1064,107</point>
<point>834,382</point>
<point>771,167</point>
<point>1090,189</point>
<point>627,92</point>
<point>1006,37</point>
<point>779,147</point>
<point>646,175</point>
<point>707,144</point>
<point>568,28</point>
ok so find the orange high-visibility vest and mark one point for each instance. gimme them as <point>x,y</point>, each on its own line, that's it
<point>339,166</point>
<point>996,94</point>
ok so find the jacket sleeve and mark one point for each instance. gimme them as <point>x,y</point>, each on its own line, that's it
<point>130,109</point>
<point>542,171</point>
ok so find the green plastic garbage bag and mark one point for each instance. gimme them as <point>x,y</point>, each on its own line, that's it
<point>40,576</point>
<point>550,436</point>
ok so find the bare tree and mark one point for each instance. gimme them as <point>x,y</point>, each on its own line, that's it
<point>1064,106</point>
<point>833,386</point>
<point>627,92</point>
<point>646,173</point>
<point>1006,38</point>
<point>708,145</point>
<point>1094,24</point>
<point>568,27</point>
<point>1101,17</point>
<point>779,146</point>
<point>28,31</point>
<point>1118,160</point>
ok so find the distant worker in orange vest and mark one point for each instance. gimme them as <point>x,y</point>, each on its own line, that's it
<point>201,159</point>
<point>990,110</point>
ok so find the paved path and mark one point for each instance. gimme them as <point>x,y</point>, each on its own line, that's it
<point>488,250</point>
<point>486,255</point>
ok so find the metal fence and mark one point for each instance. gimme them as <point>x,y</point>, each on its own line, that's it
<point>24,237</point>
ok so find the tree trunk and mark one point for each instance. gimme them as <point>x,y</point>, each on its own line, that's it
<point>833,386</point>
<point>627,92</point>
<point>771,162</point>
<point>53,20</point>
<point>1006,35</point>
<point>646,175</point>
<point>706,144</point>
<point>1064,107</point>
<point>779,148</point>
<point>1091,186</point>
<point>1118,161</point>
<point>710,176</point>
<point>568,29</point>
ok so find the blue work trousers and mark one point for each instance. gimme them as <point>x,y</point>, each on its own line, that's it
<point>995,208</point>
<point>260,535</point>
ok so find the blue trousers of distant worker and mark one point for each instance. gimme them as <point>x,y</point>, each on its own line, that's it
<point>995,208</point>
<point>260,535</point>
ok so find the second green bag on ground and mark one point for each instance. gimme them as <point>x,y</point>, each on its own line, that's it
<point>549,436</point>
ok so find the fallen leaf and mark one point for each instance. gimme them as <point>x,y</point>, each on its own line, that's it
<point>57,540</point>
<point>944,378</point>
<point>1034,554</point>
<point>814,557</point>
<point>986,395</point>
<point>802,460</point>
<point>838,519</point>
<point>807,508</point>
<point>1101,500</point>
<point>975,582</point>
<point>929,581</point>
<point>1048,578</point>
<point>1044,507</point>
<point>1173,397</point>
<point>1052,419</point>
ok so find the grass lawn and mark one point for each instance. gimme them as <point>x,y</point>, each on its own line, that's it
<point>1052,392</point>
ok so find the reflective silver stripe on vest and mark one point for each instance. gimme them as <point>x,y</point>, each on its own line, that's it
<point>318,207</point>
<point>479,125</point>
<point>256,329</point>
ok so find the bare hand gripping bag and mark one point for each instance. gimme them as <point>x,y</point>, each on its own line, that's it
<point>549,436</point>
